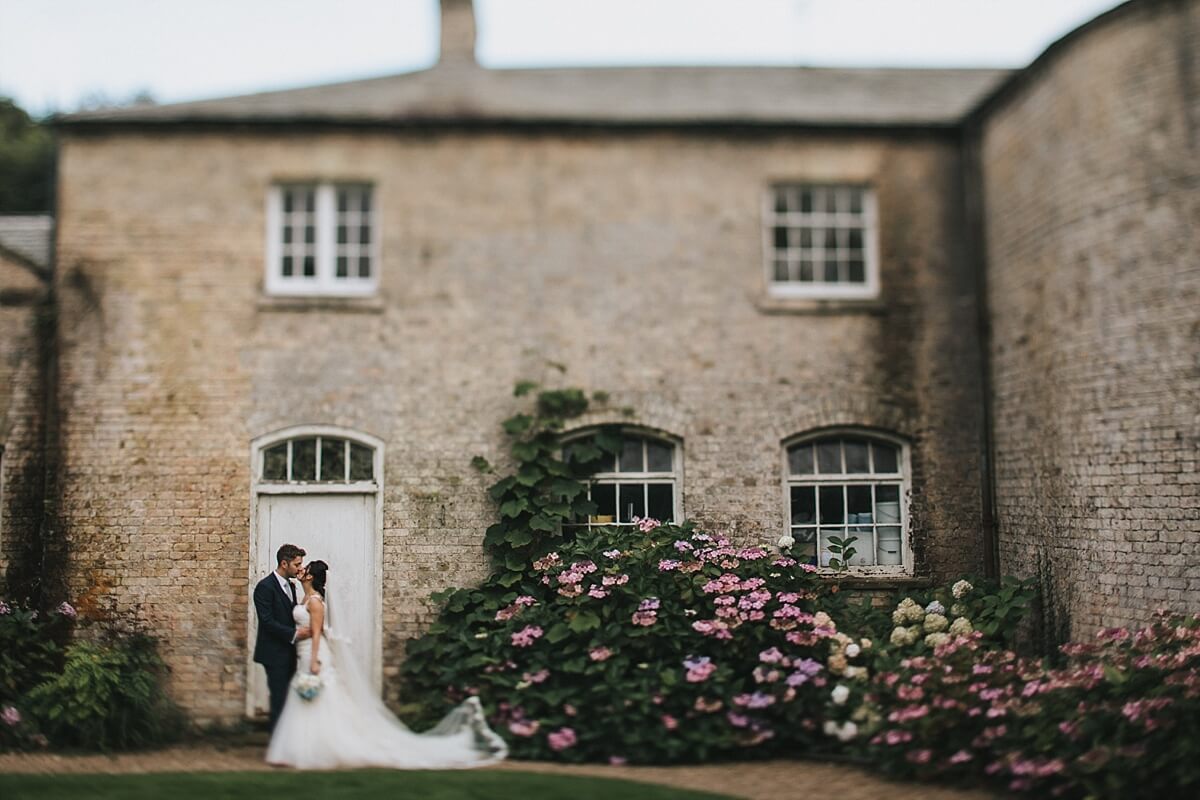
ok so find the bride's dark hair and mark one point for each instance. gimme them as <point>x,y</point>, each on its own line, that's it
<point>318,569</point>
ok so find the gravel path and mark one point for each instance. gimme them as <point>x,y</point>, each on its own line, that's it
<point>755,780</point>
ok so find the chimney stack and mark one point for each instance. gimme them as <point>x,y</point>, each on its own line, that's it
<point>458,34</point>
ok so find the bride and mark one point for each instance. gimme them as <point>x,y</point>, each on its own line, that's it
<point>347,725</point>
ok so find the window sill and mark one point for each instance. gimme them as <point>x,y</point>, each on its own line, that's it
<point>773,304</point>
<point>353,305</point>
<point>877,580</point>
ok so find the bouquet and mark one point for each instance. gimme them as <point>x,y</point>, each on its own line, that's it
<point>307,685</point>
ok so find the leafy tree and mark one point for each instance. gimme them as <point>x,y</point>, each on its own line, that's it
<point>26,162</point>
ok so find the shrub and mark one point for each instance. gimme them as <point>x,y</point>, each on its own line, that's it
<point>1121,718</point>
<point>108,696</point>
<point>29,654</point>
<point>651,644</point>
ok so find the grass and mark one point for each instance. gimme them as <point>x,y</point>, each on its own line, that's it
<point>393,785</point>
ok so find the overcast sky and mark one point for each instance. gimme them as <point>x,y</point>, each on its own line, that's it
<point>53,53</point>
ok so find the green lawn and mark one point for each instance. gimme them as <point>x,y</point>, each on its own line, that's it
<point>393,785</point>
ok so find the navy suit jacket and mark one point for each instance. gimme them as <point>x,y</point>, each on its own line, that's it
<point>276,627</point>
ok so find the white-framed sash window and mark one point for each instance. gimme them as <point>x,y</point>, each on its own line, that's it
<point>820,241</point>
<point>642,480</point>
<point>849,485</point>
<point>322,239</point>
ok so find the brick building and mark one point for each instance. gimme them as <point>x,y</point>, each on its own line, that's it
<point>950,312</point>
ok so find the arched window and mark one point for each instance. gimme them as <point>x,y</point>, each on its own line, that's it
<point>640,480</point>
<point>318,459</point>
<point>848,485</point>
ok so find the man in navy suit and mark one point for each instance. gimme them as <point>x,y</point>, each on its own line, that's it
<point>275,648</point>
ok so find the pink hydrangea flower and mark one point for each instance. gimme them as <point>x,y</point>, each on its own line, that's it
<point>561,739</point>
<point>526,636</point>
<point>523,727</point>
<point>67,610</point>
<point>10,716</point>
<point>600,654</point>
<point>669,722</point>
<point>597,593</point>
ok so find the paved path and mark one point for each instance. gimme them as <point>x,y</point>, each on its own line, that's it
<point>753,780</point>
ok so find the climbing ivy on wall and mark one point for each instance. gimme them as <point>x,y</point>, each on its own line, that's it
<point>546,491</point>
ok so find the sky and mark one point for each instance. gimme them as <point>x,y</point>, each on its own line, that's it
<point>55,54</point>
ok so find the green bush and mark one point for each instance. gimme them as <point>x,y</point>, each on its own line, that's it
<point>30,652</point>
<point>108,696</point>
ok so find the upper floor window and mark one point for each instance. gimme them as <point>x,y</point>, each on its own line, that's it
<point>820,241</point>
<point>322,239</point>
<point>318,459</point>
<point>640,480</point>
<point>848,485</point>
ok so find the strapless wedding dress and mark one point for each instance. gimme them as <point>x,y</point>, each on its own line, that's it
<point>347,725</point>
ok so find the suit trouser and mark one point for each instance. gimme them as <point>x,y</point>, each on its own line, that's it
<point>278,678</point>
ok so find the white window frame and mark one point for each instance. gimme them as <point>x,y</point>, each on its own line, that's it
<point>903,477</point>
<point>674,477</point>
<point>325,283</point>
<point>268,485</point>
<point>822,290</point>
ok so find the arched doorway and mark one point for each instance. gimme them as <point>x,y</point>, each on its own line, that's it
<point>321,487</point>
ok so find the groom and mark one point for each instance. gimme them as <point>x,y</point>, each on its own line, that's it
<point>275,648</point>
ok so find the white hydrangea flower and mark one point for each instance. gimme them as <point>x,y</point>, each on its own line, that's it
<point>830,728</point>
<point>840,694</point>
<point>855,673</point>
<point>865,644</point>
<point>847,731</point>
<point>961,627</point>
<point>935,623</point>
<point>935,607</point>
<point>960,589</point>
<point>935,639</point>
<point>899,636</point>
<point>785,542</point>
<point>852,650</point>
<point>958,610</point>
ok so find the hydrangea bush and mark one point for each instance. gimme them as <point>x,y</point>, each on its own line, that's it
<point>655,643</point>
<point>30,652</point>
<point>1118,718</point>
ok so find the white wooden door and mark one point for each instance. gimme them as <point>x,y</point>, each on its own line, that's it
<point>338,529</point>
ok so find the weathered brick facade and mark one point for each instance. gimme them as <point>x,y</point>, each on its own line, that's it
<point>23,289</point>
<point>611,255</point>
<point>630,253</point>
<point>1092,180</point>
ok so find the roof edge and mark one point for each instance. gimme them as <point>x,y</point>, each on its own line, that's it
<point>1010,86</point>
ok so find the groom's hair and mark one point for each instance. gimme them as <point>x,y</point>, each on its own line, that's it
<point>288,552</point>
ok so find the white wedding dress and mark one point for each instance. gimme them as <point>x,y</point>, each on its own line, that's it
<point>347,725</point>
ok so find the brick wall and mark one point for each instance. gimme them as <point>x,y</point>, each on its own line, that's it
<point>1091,172</point>
<point>633,259</point>
<point>21,295</point>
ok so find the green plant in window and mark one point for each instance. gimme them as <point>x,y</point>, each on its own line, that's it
<point>842,550</point>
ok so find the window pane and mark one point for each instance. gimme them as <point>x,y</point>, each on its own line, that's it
<point>781,238</point>
<point>310,234</point>
<point>858,504</point>
<point>781,271</point>
<point>800,459</point>
<point>287,201</point>
<point>342,269</point>
<point>304,459</point>
<point>885,458</point>
<point>341,234</point>
<point>362,462</point>
<point>806,238</point>
<point>364,199</point>
<point>832,510</point>
<point>806,270</point>
<point>275,463</point>
<point>780,201</point>
<point>864,546</point>
<point>341,203</point>
<point>658,457</point>
<point>831,269</point>
<point>855,239</point>
<point>631,456</point>
<point>287,267</point>
<point>806,201</point>
<point>856,201</point>
<point>310,266</point>
<point>805,548</point>
<point>856,456</point>
<point>857,271</point>
<point>889,550</point>
<point>829,457</point>
<point>604,495</point>
<point>804,505</point>
<point>661,505</point>
<point>631,499</point>
<point>826,555</point>
<point>887,504</point>
<point>333,459</point>
<point>310,200</point>
<point>364,234</point>
<point>287,234</point>
<point>364,267</point>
